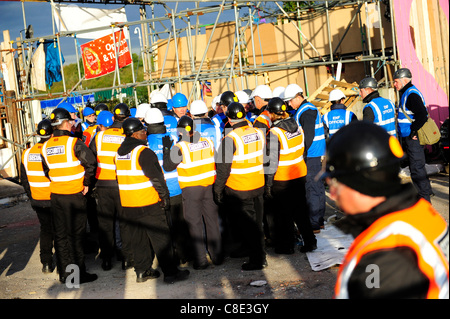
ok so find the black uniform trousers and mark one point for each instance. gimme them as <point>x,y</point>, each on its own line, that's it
<point>289,206</point>
<point>44,215</point>
<point>110,212</point>
<point>69,224</point>
<point>179,230</point>
<point>247,220</point>
<point>201,215</point>
<point>150,232</point>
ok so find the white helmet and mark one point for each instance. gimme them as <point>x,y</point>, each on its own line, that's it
<point>142,109</point>
<point>153,116</point>
<point>198,107</point>
<point>158,98</point>
<point>242,97</point>
<point>278,91</point>
<point>291,91</point>
<point>336,95</point>
<point>215,101</point>
<point>263,91</point>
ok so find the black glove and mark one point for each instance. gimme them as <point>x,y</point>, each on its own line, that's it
<point>167,143</point>
<point>218,198</point>
<point>268,192</point>
<point>413,134</point>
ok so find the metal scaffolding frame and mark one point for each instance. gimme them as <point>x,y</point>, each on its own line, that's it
<point>174,18</point>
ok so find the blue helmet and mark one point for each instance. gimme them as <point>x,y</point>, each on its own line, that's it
<point>179,100</point>
<point>105,118</point>
<point>88,111</point>
<point>133,111</point>
<point>67,106</point>
<point>169,105</point>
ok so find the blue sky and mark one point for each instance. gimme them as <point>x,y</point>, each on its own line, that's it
<point>39,15</point>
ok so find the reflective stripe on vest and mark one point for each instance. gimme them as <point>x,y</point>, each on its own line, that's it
<point>335,119</point>
<point>384,112</point>
<point>197,167</point>
<point>317,148</point>
<point>107,143</point>
<point>291,164</point>
<point>404,125</point>
<point>420,228</point>
<point>135,189</point>
<point>39,183</point>
<point>247,171</point>
<point>65,170</point>
<point>264,118</point>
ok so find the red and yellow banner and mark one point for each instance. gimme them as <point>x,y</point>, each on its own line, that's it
<point>99,56</point>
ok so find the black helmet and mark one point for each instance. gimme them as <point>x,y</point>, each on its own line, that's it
<point>59,115</point>
<point>44,128</point>
<point>363,156</point>
<point>228,97</point>
<point>402,73</point>
<point>368,83</point>
<point>276,105</point>
<point>132,125</point>
<point>122,109</point>
<point>235,111</point>
<point>186,124</point>
<point>100,107</point>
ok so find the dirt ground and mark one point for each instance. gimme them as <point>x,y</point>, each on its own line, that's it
<point>286,277</point>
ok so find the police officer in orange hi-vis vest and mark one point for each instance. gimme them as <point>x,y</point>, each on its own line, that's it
<point>69,164</point>
<point>37,187</point>
<point>240,183</point>
<point>193,158</point>
<point>144,196</point>
<point>109,209</point>
<point>285,193</point>
<point>401,242</point>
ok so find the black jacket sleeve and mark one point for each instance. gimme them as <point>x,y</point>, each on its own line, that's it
<point>368,114</point>
<point>308,123</point>
<point>88,161</point>
<point>272,156</point>
<point>24,180</point>
<point>414,104</point>
<point>151,168</point>
<point>224,159</point>
<point>387,274</point>
<point>172,158</point>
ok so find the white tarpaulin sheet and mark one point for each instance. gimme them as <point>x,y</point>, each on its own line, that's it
<point>332,245</point>
<point>74,18</point>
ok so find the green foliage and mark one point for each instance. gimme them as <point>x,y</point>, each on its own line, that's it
<point>291,6</point>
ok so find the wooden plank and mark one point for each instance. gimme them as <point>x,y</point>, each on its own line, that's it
<point>319,90</point>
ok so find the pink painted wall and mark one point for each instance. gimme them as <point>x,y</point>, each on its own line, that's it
<point>435,97</point>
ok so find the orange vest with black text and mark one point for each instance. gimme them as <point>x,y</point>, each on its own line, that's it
<point>39,183</point>
<point>420,228</point>
<point>291,164</point>
<point>135,189</point>
<point>65,170</point>
<point>198,167</point>
<point>107,143</point>
<point>247,171</point>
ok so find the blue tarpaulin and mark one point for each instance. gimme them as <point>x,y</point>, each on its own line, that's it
<point>71,100</point>
<point>52,63</point>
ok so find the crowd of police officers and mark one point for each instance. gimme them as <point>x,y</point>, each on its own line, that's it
<point>184,183</point>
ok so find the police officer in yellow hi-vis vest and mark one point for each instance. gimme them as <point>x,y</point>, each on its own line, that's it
<point>401,242</point>
<point>37,187</point>
<point>144,196</point>
<point>285,193</point>
<point>193,158</point>
<point>70,165</point>
<point>240,183</point>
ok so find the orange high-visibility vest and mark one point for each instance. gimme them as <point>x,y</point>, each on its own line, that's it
<point>420,228</point>
<point>264,118</point>
<point>135,189</point>
<point>247,171</point>
<point>107,143</point>
<point>39,183</point>
<point>197,167</point>
<point>89,133</point>
<point>65,170</point>
<point>291,164</point>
